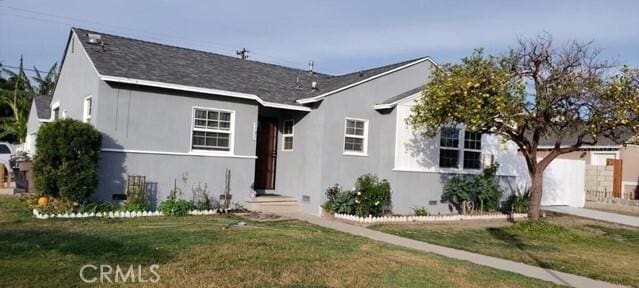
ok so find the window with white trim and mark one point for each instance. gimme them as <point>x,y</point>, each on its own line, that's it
<point>472,150</point>
<point>287,135</point>
<point>88,107</point>
<point>355,136</point>
<point>449,147</point>
<point>452,152</point>
<point>55,113</point>
<point>212,130</point>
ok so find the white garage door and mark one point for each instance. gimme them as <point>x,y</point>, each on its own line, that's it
<point>564,183</point>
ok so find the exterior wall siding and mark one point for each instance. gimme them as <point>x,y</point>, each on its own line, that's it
<point>78,79</point>
<point>33,124</point>
<point>318,156</point>
<point>298,172</point>
<point>158,122</point>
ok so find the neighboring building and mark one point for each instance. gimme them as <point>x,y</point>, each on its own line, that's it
<point>40,112</point>
<point>183,116</point>
<point>625,162</point>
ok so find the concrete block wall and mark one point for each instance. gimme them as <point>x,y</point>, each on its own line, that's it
<point>599,178</point>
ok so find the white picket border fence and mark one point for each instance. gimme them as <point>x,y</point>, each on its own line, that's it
<point>433,218</point>
<point>115,214</point>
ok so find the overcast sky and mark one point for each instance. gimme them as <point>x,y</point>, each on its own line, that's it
<point>340,36</point>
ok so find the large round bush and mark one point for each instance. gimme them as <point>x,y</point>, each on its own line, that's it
<point>66,160</point>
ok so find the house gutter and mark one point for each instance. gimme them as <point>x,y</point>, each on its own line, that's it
<point>201,90</point>
<point>583,147</point>
<point>394,103</point>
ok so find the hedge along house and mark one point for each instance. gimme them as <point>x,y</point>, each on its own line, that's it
<point>181,116</point>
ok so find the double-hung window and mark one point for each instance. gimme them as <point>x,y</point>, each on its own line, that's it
<point>454,150</point>
<point>472,150</point>
<point>212,130</point>
<point>88,106</point>
<point>449,148</point>
<point>355,136</point>
<point>287,135</point>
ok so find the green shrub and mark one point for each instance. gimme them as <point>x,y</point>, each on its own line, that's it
<point>338,201</point>
<point>458,192</point>
<point>519,201</point>
<point>66,163</point>
<point>135,199</point>
<point>420,211</point>
<point>331,194</point>
<point>173,206</point>
<point>345,202</point>
<point>95,207</point>
<point>373,195</point>
<point>488,190</point>
<point>474,193</point>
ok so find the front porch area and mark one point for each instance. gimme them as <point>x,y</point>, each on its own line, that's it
<point>273,203</point>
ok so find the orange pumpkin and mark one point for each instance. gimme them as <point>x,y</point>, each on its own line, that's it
<point>43,201</point>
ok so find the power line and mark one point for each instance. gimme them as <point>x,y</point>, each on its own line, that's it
<point>27,70</point>
<point>116,28</point>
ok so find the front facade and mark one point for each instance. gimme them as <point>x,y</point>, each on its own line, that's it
<point>183,118</point>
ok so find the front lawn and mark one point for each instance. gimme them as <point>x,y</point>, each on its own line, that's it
<point>570,244</point>
<point>211,251</point>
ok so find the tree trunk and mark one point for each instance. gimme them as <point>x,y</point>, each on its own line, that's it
<point>537,188</point>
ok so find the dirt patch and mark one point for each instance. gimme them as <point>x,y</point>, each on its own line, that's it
<point>457,225</point>
<point>261,217</point>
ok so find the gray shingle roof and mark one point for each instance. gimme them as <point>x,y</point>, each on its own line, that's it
<point>43,106</point>
<point>137,59</point>
<point>601,141</point>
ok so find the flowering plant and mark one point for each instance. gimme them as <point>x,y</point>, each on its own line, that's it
<point>373,195</point>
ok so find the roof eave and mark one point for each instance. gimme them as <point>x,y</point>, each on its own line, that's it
<point>583,147</point>
<point>394,104</point>
<point>196,89</point>
<point>318,98</point>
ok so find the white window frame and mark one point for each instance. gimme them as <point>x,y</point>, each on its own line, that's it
<point>461,148</point>
<point>88,109</point>
<point>460,151</point>
<point>54,106</point>
<point>231,131</point>
<point>364,151</point>
<point>291,135</point>
<point>464,149</point>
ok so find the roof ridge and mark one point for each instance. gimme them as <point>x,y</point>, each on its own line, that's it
<point>382,67</point>
<point>199,51</point>
<point>254,61</point>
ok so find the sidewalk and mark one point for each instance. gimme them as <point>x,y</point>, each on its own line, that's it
<point>497,263</point>
<point>596,215</point>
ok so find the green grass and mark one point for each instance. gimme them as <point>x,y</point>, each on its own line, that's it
<point>569,244</point>
<point>206,251</point>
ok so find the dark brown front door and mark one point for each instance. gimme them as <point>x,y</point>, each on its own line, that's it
<point>266,153</point>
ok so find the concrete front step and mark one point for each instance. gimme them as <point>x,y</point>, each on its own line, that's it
<point>274,204</point>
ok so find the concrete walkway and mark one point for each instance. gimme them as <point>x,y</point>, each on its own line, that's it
<point>595,214</point>
<point>497,263</point>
